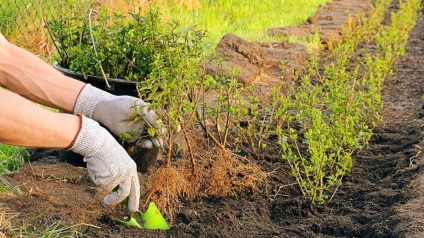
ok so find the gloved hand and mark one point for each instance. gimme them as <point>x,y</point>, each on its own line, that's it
<point>117,113</point>
<point>108,163</point>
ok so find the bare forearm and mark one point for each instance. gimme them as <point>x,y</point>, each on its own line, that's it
<point>24,123</point>
<point>29,76</point>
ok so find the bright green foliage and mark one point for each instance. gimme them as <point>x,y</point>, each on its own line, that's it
<point>333,119</point>
<point>223,109</point>
<point>176,79</point>
<point>126,45</point>
<point>245,18</point>
<point>179,87</point>
<point>256,119</point>
<point>9,13</point>
<point>11,157</point>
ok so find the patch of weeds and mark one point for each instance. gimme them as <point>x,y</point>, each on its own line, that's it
<point>5,225</point>
<point>11,157</point>
<point>52,227</point>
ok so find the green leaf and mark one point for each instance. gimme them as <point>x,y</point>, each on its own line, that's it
<point>151,131</point>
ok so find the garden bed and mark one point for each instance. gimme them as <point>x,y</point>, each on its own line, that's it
<point>381,197</point>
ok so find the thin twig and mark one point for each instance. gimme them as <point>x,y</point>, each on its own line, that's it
<point>9,186</point>
<point>283,186</point>
<point>411,163</point>
<point>94,46</point>
<point>192,160</point>
<point>54,40</point>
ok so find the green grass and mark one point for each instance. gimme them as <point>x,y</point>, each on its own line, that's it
<point>11,157</point>
<point>9,11</point>
<point>20,20</point>
<point>245,18</point>
<point>12,11</point>
<point>42,225</point>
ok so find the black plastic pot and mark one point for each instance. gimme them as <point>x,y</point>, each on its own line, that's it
<point>117,86</point>
<point>144,158</point>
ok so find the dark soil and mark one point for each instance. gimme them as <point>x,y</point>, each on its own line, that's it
<point>382,197</point>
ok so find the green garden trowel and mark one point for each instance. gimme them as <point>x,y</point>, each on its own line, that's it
<point>152,219</point>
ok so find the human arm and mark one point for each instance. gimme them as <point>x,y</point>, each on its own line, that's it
<point>24,123</point>
<point>29,76</point>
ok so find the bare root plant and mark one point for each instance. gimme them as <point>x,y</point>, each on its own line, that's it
<point>231,175</point>
<point>202,169</point>
<point>166,186</point>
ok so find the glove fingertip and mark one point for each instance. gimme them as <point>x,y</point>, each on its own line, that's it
<point>145,143</point>
<point>158,142</point>
<point>119,195</point>
<point>111,199</point>
<point>133,205</point>
<point>134,198</point>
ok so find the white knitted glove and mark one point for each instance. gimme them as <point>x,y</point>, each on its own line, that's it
<point>117,113</point>
<point>108,163</point>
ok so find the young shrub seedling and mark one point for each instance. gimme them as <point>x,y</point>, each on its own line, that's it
<point>334,111</point>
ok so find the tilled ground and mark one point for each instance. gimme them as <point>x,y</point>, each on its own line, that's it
<point>382,197</point>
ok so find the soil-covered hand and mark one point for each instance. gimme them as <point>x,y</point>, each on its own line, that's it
<point>117,113</point>
<point>108,164</point>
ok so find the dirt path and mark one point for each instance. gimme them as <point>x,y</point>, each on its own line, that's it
<point>405,111</point>
<point>382,197</point>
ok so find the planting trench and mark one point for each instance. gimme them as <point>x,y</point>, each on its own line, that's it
<point>382,197</point>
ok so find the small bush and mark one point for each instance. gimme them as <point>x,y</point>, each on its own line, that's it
<point>123,46</point>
